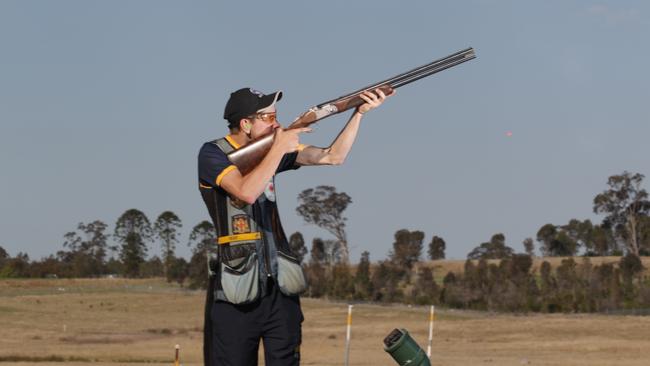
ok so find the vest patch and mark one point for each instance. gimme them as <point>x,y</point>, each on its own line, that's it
<point>241,224</point>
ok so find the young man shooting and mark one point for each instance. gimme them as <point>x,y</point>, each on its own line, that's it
<point>255,278</point>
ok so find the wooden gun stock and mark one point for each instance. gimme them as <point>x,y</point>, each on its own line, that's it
<point>247,157</point>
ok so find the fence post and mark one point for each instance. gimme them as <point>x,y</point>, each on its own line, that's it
<point>347,336</point>
<point>431,316</point>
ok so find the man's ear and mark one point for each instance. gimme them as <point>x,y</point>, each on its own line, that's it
<point>245,125</point>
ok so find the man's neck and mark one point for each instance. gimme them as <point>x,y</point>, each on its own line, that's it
<point>240,138</point>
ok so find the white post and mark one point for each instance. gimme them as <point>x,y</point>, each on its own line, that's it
<point>177,357</point>
<point>347,336</point>
<point>431,316</point>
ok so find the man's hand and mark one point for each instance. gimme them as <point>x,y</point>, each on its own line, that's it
<point>287,141</point>
<point>373,100</point>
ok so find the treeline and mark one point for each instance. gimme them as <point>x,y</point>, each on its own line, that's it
<point>89,251</point>
<point>509,284</point>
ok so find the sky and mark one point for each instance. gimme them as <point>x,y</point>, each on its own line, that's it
<point>105,104</point>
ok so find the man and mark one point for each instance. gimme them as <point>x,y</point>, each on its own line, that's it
<point>255,279</point>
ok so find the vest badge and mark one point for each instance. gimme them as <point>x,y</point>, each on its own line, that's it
<point>241,224</point>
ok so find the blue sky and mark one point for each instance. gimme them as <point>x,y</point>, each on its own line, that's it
<point>104,105</point>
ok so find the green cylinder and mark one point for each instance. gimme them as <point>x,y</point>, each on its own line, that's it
<point>404,350</point>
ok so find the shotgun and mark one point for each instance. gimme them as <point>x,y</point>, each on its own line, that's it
<point>247,157</point>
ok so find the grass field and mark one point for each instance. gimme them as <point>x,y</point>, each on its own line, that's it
<point>121,322</point>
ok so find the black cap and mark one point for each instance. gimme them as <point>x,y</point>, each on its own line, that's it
<point>246,101</point>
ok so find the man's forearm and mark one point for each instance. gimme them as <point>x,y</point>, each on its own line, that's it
<point>250,186</point>
<point>342,145</point>
<point>254,183</point>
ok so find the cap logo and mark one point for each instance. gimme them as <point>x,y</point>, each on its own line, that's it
<point>256,92</point>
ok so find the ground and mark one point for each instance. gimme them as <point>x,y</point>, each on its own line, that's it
<point>119,322</point>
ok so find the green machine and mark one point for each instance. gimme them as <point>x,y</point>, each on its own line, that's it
<point>404,350</point>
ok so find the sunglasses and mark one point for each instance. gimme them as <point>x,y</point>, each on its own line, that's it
<point>266,117</point>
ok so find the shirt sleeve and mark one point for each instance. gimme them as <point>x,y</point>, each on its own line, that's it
<point>288,162</point>
<point>213,165</point>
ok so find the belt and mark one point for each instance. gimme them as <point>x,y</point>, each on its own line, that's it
<point>239,237</point>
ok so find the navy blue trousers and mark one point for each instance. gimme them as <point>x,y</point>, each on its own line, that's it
<point>236,330</point>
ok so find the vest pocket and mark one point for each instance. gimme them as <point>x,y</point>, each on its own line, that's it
<point>239,278</point>
<point>291,277</point>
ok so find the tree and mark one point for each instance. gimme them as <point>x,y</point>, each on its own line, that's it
<point>644,235</point>
<point>317,251</point>
<point>385,282</point>
<point>556,242</point>
<point>202,237</point>
<point>133,232</point>
<point>154,267</point>
<point>426,290</point>
<point>166,229</point>
<point>436,248</point>
<point>3,253</point>
<point>16,267</point>
<point>407,248</point>
<point>326,252</point>
<point>630,266</point>
<point>87,246</point>
<point>3,257</point>
<point>315,270</point>
<point>601,241</point>
<point>198,271</point>
<point>323,207</point>
<point>625,203</point>
<point>548,288</point>
<point>179,270</point>
<point>362,284</point>
<point>545,235</point>
<point>496,248</point>
<point>297,245</point>
<point>580,232</point>
<point>341,285</point>
<point>567,285</point>
<point>202,241</point>
<point>563,245</point>
<point>529,246</point>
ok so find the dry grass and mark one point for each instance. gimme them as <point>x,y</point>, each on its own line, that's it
<point>441,268</point>
<point>118,322</point>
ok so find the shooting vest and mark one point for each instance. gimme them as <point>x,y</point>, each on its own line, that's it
<point>251,246</point>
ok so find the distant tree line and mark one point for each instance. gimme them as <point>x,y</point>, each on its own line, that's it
<point>87,251</point>
<point>508,284</point>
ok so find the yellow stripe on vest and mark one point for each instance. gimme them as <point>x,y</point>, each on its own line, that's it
<point>239,237</point>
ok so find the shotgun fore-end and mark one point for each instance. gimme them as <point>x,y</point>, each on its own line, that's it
<point>355,100</point>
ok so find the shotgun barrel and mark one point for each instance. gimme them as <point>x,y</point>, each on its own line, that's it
<point>419,72</point>
<point>247,157</point>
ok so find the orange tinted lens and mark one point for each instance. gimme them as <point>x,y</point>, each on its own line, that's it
<point>268,117</point>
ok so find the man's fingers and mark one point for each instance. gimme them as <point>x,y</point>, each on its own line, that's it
<point>372,95</point>
<point>365,98</point>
